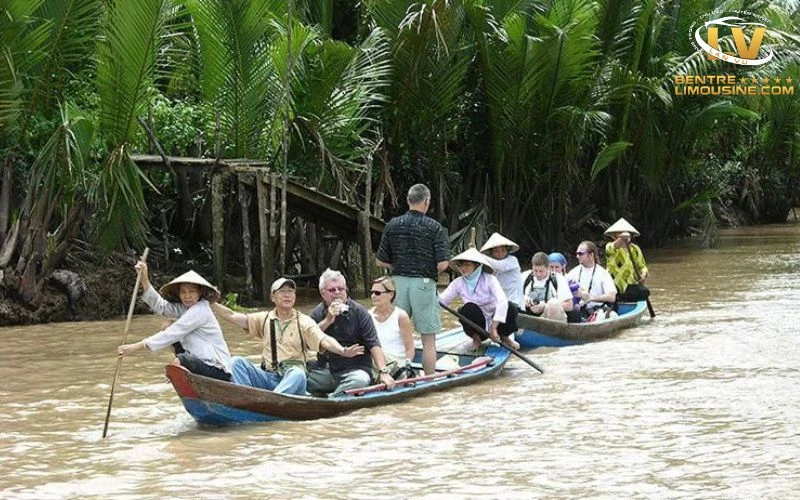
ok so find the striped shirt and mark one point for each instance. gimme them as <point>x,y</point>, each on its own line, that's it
<point>413,244</point>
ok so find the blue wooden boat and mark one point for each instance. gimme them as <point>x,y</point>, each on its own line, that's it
<point>541,332</point>
<point>214,402</point>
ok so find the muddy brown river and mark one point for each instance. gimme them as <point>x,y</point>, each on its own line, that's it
<point>701,402</point>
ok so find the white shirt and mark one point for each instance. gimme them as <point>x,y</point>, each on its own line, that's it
<point>196,328</point>
<point>595,280</point>
<point>535,289</point>
<point>507,272</point>
<point>389,333</point>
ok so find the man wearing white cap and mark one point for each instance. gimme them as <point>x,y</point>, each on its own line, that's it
<point>625,262</point>
<point>506,266</point>
<point>196,335</point>
<point>288,336</point>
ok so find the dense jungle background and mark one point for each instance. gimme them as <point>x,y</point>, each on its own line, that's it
<point>545,120</point>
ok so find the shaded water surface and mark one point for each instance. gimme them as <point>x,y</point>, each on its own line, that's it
<point>702,402</point>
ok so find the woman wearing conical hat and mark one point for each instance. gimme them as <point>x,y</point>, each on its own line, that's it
<point>625,262</point>
<point>485,302</point>
<point>506,267</point>
<point>195,334</point>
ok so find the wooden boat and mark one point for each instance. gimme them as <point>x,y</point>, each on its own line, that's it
<point>214,402</point>
<point>540,332</point>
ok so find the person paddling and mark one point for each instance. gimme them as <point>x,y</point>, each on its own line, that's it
<point>195,334</point>
<point>625,262</point>
<point>485,303</point>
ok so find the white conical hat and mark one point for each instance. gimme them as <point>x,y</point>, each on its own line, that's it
<point>472,255</point>
<point>170,290</point>
<point>621,226</point>
<point>498,240</point>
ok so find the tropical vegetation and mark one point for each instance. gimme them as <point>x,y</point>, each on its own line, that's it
<point>545,120</point>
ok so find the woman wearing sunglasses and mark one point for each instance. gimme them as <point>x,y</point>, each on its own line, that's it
<point>391,322</point>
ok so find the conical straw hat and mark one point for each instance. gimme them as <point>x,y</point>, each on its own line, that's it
<point>621,226</point>
<point>170,290</point>
<point>498,240</point>
<point>472,255</point>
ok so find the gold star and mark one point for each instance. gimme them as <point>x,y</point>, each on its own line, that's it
<point>743,81</point>
<point>789,80</point>
<point>765,80</point>
<point>777,79</point>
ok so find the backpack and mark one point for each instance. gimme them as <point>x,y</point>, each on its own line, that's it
<point>551,280</point>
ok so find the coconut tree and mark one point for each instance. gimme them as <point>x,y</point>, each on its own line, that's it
<point>62,181</point>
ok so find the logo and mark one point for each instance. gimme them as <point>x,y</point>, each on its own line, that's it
<point>748,52</point>
<point>732,41</point>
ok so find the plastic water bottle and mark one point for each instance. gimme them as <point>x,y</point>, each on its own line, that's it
<point>573,287</point>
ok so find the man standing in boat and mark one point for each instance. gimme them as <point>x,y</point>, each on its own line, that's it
<point>626,263</point>
<point>415,248</point>
<point>289,337</point>
<point>350,323</point>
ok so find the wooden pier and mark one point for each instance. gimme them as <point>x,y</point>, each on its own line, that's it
<point>347,222</point>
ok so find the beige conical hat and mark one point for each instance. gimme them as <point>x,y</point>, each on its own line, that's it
<point>472,255</point>
<point>621,226</point>
<point>498,240</point>
<point>170,290</point>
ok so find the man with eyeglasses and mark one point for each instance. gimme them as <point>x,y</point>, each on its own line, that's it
<point>350,323</point>
<point>288,335</point>
<point>415,248</point>
<point>596,284</point>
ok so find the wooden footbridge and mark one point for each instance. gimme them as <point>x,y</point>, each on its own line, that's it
<point>340,218</point>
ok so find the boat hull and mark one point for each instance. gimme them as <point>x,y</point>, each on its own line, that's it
<point>215,402</point>
<point>540,332</point>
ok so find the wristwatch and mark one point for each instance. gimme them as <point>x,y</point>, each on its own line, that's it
<point>385,369</point>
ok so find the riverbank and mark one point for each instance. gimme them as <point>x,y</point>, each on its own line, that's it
<point>103,288</point>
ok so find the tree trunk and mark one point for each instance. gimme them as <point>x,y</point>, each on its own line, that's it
<point>5,196</point>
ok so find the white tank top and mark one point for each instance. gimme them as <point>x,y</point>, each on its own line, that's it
<point>389,333</point>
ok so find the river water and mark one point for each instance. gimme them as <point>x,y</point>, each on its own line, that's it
<point>701,402</point>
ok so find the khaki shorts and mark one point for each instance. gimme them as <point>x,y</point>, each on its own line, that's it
<point>420,299</point>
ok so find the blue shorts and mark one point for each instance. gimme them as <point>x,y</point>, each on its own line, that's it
<point>420,299</point>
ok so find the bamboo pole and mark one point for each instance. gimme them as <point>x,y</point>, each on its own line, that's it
<point>124,339</point>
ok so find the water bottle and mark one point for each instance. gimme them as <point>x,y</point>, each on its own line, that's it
<point>573,287</point>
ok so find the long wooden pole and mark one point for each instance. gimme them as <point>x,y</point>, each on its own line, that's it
<point>124,339</point>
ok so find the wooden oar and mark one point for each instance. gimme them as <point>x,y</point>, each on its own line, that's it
<point>476,363</point>
<point>483,331</point>
<point>124,338</point>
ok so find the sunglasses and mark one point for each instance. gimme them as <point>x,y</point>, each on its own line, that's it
<point>379,292</point>
<point>336,289</point>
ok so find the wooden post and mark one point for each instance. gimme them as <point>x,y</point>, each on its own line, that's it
<point>218,226</point>
<point>272,229</point>
<point>263,233</point>
<point>365,245</point>
<point>244,205</point>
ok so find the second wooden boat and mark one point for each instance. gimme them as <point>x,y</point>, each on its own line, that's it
<point>540,332</point>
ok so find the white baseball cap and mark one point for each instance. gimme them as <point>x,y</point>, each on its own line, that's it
<point>278,283</point>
